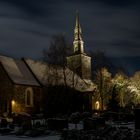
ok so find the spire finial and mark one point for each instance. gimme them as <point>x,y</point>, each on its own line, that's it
<point>78,42</point>
<point>77,18</point>
<point>77,13</point>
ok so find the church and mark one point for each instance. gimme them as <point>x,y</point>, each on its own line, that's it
<point>23,80</point>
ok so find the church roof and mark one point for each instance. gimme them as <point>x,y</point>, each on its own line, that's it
<point>54,75</point>
<point>34,73</point>
<point>18,71</point>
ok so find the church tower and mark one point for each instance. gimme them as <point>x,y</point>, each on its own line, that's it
<point>79,61</point>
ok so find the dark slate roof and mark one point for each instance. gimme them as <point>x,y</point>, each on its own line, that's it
<point>18,71</point>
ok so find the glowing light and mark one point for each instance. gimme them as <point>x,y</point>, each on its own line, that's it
<point>97,105</point>
<point>13,102</point>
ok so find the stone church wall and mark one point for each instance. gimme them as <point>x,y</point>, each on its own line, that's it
<point>12,96</point>
<point>6,91</point>
<point>20,101</point>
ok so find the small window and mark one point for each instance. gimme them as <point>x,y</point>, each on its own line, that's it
<point>29,97</point>
<point>97,105</point>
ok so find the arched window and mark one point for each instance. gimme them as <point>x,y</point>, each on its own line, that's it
<point>29,97</point>
<point>97,105</point>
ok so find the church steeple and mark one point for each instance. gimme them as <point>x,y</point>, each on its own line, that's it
<point>78,42</point>
<point>79,62</point>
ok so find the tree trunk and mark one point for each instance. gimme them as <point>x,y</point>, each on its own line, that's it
<point>102,104</point>
<point>101,90</point>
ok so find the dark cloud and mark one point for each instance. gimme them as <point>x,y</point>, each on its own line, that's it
<point>26,26</point>
<point>120,2</point>
<point>32,7</point>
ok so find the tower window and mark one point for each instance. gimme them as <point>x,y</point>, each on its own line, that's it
<point>29,97</point>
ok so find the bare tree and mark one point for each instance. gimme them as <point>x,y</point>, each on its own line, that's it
<point>121,82</point>
<point>103,81</point>
<point>134,87</point>
<point>57,52</point>
<point>101,60</point>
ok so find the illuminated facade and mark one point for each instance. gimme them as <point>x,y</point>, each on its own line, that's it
<point>19,90</point>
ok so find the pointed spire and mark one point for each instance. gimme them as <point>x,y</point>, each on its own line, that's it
<point>77,19</point>
<point>78,42</point>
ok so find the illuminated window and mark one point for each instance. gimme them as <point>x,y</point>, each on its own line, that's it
<point>29,97</point>
<point>97,105</point>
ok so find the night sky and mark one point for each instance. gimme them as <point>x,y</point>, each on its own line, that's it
<point>112,26</point>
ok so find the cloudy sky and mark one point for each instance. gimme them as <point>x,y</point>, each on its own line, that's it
<point>113,26</point>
